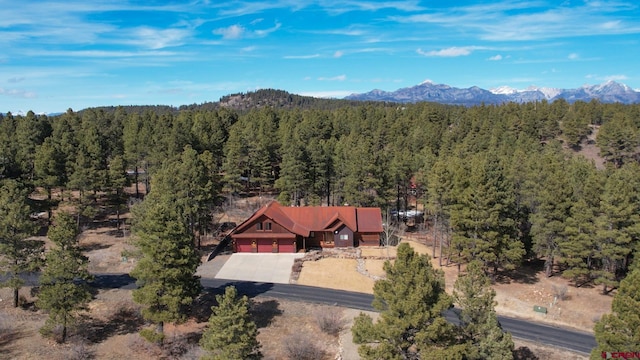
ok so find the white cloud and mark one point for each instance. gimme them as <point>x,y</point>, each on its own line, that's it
<point>503,21</point>
<point>17,93</point>
<point>312,56</point>
<point>231,32</point>
<point>448,52</point>
<point>573,56</point>
<point>238,31</point>
<point>266,32</point>
<point>495,58</point>
<point>615,77</point>
<point>338,54</point>
<point>335,78</point>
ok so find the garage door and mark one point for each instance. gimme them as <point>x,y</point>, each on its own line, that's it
<point>286,245</point>
<point>265,246</point>
<point>243,245</point>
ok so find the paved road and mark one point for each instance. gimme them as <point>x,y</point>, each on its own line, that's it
<point>522,329</point>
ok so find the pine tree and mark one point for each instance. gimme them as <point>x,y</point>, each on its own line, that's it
<point>579,252</point>
<point>165,273</point>
<point>231,334</point>
<point>618,224</point>
<point>411,300</point>
<point>551,208</point>
<point>63,290</point>
<point>620,330</point>
<point>481,329</point>
<point>482,218</point>
<point>18,254</point>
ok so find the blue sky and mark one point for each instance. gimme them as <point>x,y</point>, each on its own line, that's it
<point>75,54</point>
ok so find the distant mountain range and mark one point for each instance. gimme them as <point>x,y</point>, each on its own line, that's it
<point>609,92</point>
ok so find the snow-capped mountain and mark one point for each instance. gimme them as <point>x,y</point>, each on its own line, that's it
<point>608,92</point>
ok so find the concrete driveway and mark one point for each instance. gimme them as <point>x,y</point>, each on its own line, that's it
<point>268,268</point>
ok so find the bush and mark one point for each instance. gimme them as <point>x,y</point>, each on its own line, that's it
<point>152,336</point>
<point>141,346</point>
<point>299,346</point>
<point>80,351</point>
<point>330,321</point>
<point>560,292</point>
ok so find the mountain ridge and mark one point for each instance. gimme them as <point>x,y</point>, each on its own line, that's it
<point>607,92</point>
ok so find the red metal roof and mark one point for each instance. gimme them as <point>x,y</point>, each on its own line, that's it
<point>303,220</point>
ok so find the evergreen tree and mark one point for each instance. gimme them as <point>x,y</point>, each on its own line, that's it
<point>618,139</point>
<point>579,253</point>
<point>411,326</point>
<point>481,329</point>
<point>18,254</point>
<point>231,334</point>
<point>620,330</point>
<point>165,273</point>
<point>63,291</point>
<point>618,224</point>
<point>551,208</point>
<point>117,181</point>
<point>482,217</point>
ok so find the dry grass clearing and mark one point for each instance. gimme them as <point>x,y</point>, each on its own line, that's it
<point>335,273</point>
<point>516,296</point>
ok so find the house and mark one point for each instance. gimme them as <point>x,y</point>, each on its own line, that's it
<point>277,228</point>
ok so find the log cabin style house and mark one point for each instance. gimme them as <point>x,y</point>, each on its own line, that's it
<point>275,228</point>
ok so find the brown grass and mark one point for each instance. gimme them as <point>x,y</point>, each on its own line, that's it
<point>335,273</point>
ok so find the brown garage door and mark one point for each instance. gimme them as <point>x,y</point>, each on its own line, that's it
<point>287,245</point>
<point>244,245</point>
<point>265,245</point>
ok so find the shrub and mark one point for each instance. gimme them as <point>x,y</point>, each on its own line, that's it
<point>299,346</point>
<point>330,321</point>
<point>152,336</point>
<point>560,292</point>
<point>80,351</point>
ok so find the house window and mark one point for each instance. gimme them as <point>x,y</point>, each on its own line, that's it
<point>267,226</point>
<point>344,237</point>
<point>259,226</point>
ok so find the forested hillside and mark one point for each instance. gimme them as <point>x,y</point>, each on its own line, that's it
<point>500,183</point>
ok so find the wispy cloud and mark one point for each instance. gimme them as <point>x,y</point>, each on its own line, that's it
<point>268,31</point>
<point>448,52</point>
<point>152,38</point>
<point>238,32</point>
<point>617,77</point>
<point>338,54</point>
<point>529,20</point>
<point>231,32</point>
<point>312,56</point>
<point>334,78</point>
<point>100,53</point>
<point>573,56</point>
<point>17,93</point>
<point>495,58</point>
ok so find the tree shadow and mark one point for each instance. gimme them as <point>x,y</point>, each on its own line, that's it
<point>8,338</point>
<point>525,274</point>
<point>125,320</point>
<point>263,312</point>
<point>94,246</point>
<point>524,353</point>
<point>201,307</point>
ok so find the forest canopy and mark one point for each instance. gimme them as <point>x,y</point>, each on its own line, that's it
<point>499,183</point>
